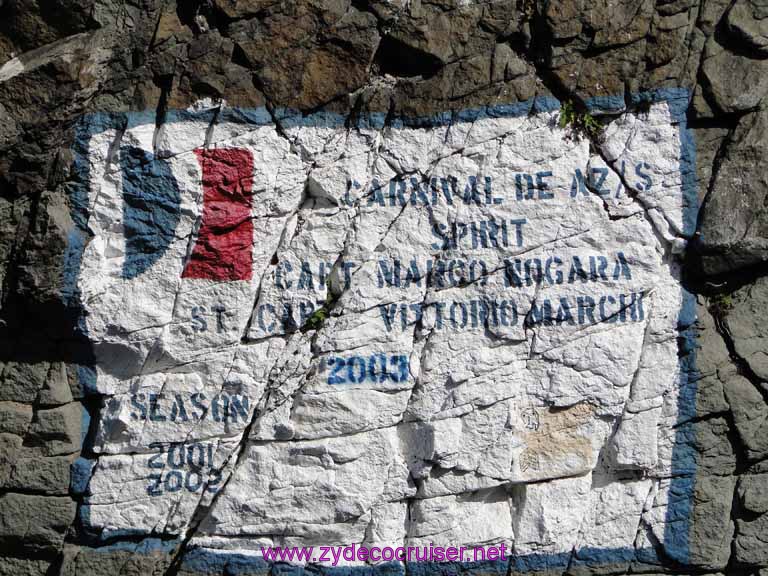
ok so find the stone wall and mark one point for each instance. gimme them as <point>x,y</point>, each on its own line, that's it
<point>650,436</point>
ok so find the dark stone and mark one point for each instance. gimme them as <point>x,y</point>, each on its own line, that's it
<point>58,430</point>
<point>710,14</point>
<point>746,326</point>
<point>444,36</point>
<point>41,268</point>
<point>243,8</point>
<point>733,82</point>
<point>711,356</point>
<point>709,141</point>
<point>46,475</point>
<point>21,382</point>
<point>750,415</point>
<point>9,129</point>
<point>714,451</point>
<point>15,417</point>
<point>24,567</point>
<point>10,446</point>
<point>711,526</point>
<point>312,42</point>
<point>55,391</point>
<point>28,25</point>
<point>140,559</point>
<point>751,541</point>
<point>747,22</point>
<point>34,522</point>
<point>668,35</point>
<point>734,220</point>
<point>753,493</point>
<point>170,28</point>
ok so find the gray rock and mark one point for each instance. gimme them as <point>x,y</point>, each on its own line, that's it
<point>23,567</point>
<point>439,36</point>
<point>668,35</point>
<point>734,220</point>
<point>753,493</point>
<point>22,381</point>
<point>746,326</point>
<point>48,475</point>
<point>170,28</point>
<point>468,84</point>
<point>55,391</point>
<point>15,417</point>
<point>710,357</point>
<point>595,566</point>
<point>58,430</point>
<point>711,527</point>
<point>747,21</point>
<point>14,219</point>
<point>287,39</point>
<point>34,522</point>
<point>241,8</point>
<point>751,541</point>
<point>613,23</point>
<point>733,82</point>
<point>6,244</point>
<point>34,25</point>
<point>710,14</point>
<point>714,451</point>
<point>709,141</point>
<point>749,414</point>
<point>130,560</point>
<point>9,449</point>
<point>702,109</point>
<point>41,272</point>
<point>9,129</point>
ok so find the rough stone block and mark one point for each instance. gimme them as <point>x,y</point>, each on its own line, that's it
<point>55,391</point>
<point>714,453</point>
<point>735,81</point>
<point>751,541</point>
<point>747,22</point>
<point>10,445</point>
<point>750,415</point>
<point>734,220</point>
<point>23,566</point>
<point>58,430</point>
<point>746,326</point>
<point>753,493</point>
<point>15,418</point>
<point>34,522</point>
<point>39,474</point>
<point>22,381</point>
<point>130,559</point>
<point>711,524</point>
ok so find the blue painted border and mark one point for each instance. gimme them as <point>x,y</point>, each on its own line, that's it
<point>680,508</point>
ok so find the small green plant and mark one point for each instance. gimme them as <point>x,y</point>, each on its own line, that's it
<point>315,321</point>
<point>567,114</point>
<point>582,123</point>
<point>720,304</point>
